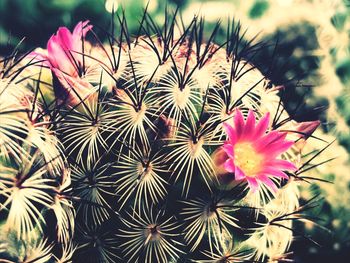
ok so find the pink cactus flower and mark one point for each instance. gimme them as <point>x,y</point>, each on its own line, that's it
<point>63,49</point>
<point>252,152</point>
<point>64,57</point>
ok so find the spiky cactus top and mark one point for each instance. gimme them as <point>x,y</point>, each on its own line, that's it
<point>161,148</point>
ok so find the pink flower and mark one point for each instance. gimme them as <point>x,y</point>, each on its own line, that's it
<point>64,57</point>
<point>64,48</point>
<point>252,152</point>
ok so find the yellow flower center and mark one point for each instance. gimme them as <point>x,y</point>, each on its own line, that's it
<point>247,159</point>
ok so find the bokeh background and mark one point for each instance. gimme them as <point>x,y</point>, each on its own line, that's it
<point>312,58</point>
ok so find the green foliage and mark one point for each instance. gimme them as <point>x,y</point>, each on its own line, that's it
<point>258,9</point>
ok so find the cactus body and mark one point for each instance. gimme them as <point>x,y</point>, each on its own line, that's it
<point>162,148</point>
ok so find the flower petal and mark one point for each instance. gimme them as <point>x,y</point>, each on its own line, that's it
<point>71,45</point>
<point>277,148</point>
<point>239,174</point>
<point>228,148</point>
<point>231,133</point>
<point>268,182</point>
<point>272,137</point>
<point>262,126</point>
<point>65,38</point>
<point>82,28</point>
<point>249,128</point>
<point>300,130</point>
<point>272,171</point>
<point>229,166</point>
<point>253,183</point>
<point>282,164</point>
<point>239,123</point>
<point>58,57</point>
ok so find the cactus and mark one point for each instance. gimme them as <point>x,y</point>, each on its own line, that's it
<point>166,147</point>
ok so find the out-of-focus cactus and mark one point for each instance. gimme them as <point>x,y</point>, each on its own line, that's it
<point>169,147</point>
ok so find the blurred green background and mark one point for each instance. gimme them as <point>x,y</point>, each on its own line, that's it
<point>313,46</point>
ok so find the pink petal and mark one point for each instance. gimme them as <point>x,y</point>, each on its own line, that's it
<point>274,136</point>
<point>275,149</point>
<point>65,38</point>
<point>249,128</point>
<point>79,33</point>
<point>267,181</point>
<point>262,125</point>
<point>71,46</point>
<point>228,148</point>
<point>274,172</point>
<point>231,133</point>
<point>239,123</point>
<point>282,164</point>
<point>54,48</point>
<point>239,174</point>
<point>305,129</point>
<point>264,142</point>
<point>253,184</point>
<point>58,57</point>
<point>81,28</point>
<point>229,166</point>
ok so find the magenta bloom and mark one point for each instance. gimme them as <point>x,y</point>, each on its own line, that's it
<point>64,57</point>
<point>252,151</point>
<point>63,49</point>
